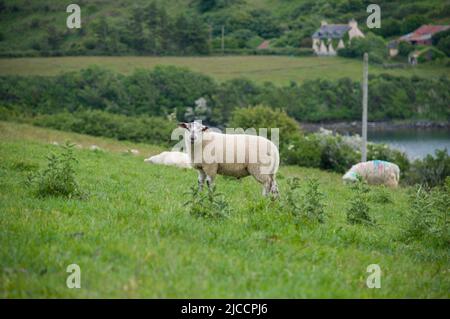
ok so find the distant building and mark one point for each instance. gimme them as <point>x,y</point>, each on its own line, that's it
<point>425,54</point>
<point>413,58</point>
<point>324,36</point>
<point>424,34</point>
<point>393,48</point>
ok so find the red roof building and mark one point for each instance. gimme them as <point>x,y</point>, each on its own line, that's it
<point>424,34</point>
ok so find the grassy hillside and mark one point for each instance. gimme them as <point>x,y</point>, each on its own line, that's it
<point>276,69</point>
<point>134,237</point>
<point>110,26</point>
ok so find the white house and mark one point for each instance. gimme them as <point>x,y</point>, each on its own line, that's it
<point>331,37</point>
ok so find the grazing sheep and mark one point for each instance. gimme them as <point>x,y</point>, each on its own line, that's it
<point>95,148</point>
<point>236,155</point>
<point>178,159</point>
<point>374,173</point>
<point>134,151</point>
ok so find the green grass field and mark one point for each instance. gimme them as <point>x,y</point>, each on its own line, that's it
<point>134,237</point>
<point>277,69</point>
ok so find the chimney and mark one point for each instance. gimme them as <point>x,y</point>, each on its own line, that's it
<point>323,23</point>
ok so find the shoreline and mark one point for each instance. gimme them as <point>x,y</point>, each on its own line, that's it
<point>355,126</point>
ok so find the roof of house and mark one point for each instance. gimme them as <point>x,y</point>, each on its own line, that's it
<point>264,45</point>
<point>425,32</point>
<point>333,31</point>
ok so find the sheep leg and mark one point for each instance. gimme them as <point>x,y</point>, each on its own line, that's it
<point>211,172</point>
<point>274,188</point>
<point>266,188</point>
<point>201,179</point>
<point>210,181</point>
<point>271,188</point>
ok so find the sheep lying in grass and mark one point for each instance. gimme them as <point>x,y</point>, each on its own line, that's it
<point>374,173</point>
<point>178,159</point>
<point>236,155</point>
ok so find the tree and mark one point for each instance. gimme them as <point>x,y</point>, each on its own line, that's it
<point>54,38</point>
<point>405,48</point>
<point>206,5</point>
<point>101,33</point>
<point>444,45</point>
<point>372,44</point>
<point>191,35</point>
<point>160,29</point>
<point>262,116</point>
<point>134,35</point>
<point>411,23</point>
<point>390,27</point>
<point>442,41</point>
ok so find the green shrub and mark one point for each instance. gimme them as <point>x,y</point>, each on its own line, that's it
<point>208,205</point>
<point>383,153</point>
<point>262,116</point>
<point>153,130</point>
<point>336,155</point>
<point>308,207</point>
<point>165,90</point>
<point>58,179</point>
<point>430,171</point>
<point>313,205</point>
<point>442,41</point>
<point>358,210</point>
<point>381,195</point>
<point>430,54</point>
<point>405,48</point>
<point>371,43</point>
<point>429,215</point>
<point>302,150</point>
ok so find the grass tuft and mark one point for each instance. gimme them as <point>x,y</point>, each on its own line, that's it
<point>58,178</point>
<point>358,210</point>
<point>208,205</point>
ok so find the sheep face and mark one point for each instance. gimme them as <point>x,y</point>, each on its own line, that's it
<point>193,132</point>
<point>350,177</point>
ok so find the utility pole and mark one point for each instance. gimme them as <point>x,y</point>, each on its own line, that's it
<point>223,39</point>
<point>365,88</point>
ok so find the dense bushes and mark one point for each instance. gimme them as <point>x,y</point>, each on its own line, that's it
<point>442,41</point>
<point>428,216</point>
<point>430,171</point>
<point>166,90</point>
<point>372,44</point>
<point>147,129</point>
<point>321,150</point>
<point>264,117</point>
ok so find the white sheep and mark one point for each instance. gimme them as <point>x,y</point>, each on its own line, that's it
<point>236,155</point>
<point>134,151</point>
<point>178,159</point>
<point>374,173</point>
<point>95,148</point>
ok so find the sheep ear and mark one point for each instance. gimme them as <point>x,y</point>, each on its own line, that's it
<point>183,125</point>
<point>204,128</point>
